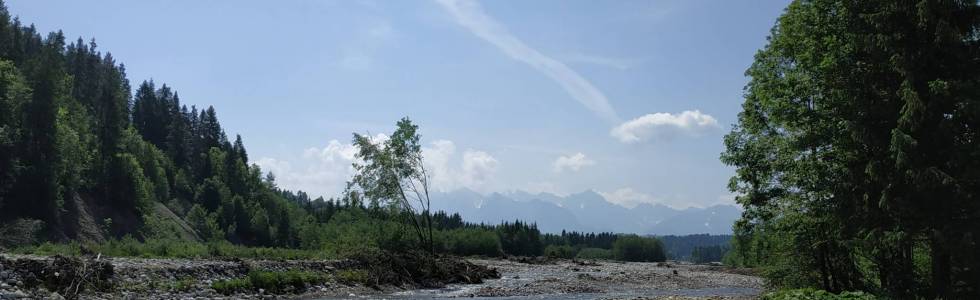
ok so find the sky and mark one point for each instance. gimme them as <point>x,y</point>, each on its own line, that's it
<point>627,98</point>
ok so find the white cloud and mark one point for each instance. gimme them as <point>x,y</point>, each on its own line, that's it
<point>628,197</point>
<point>475,170</point>
<point>664,126</point>
<point>437,163</point>
<point>319,171</point>
<point>470,15</point>
<point>572,162</point>
<point>478,170</point>
<point>325,171</point>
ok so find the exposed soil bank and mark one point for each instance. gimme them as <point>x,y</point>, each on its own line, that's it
<point>57,277</point>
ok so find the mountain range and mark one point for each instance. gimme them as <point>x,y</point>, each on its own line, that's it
<point>586,211</point>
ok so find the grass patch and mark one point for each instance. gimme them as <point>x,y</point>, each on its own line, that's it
<point>231,286</point>
<point>271,281</point>
<point>183,285</point>
<point>168,248</point>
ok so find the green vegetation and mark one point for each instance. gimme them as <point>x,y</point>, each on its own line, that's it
<point>272,281</point>
<point>599,246</point>
<point>352,276</point>
<point>708,254</point>
<point>680,247</point>
<point>595,253</point>
<point>167,248</point>
<point>232,286</point>
<point>637,248</point>
<point>470,241</point>
<point>857,150</point>
<point>563,251</point>
<point>812,294</point>
<point>183,285</point>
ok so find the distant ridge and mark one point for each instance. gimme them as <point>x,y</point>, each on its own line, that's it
<point>586,211</point>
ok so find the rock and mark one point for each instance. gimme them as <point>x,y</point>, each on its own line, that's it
<point>16,294</point>
<point>56,296</point>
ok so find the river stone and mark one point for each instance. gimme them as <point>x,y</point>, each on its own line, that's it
<point>16,294</point>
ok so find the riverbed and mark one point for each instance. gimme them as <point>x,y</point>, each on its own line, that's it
<point>567,279</point>
<point>521,278</point>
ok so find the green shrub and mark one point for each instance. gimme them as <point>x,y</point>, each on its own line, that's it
<point>183,285</point>
<point>637,248</point>
<point>470,241</point>
<point>231,286</point>
<point>813,294</point>
<point>278,282</point>
<point>563,251</point>
<point>272,281</point>
<point>594,253</point>
<point>353,276</point>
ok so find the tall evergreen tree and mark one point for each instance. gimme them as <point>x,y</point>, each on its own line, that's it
<point>854,144</point>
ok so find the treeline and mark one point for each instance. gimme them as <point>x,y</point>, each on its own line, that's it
<point>681,247</point>
<point>709,254</point>
<point>858,150</point>
<point>604,245</point>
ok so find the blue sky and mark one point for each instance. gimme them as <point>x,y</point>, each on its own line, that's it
<point>628,98</point>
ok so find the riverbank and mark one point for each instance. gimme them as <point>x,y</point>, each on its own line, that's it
<point>96,277</point>
<point>390,276</point>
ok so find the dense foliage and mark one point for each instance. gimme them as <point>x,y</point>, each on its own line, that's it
<point>708,254</point>
<point>681,247</point>
<point>812,294</point>
<point>857,149</point>
<point>637,248</point>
